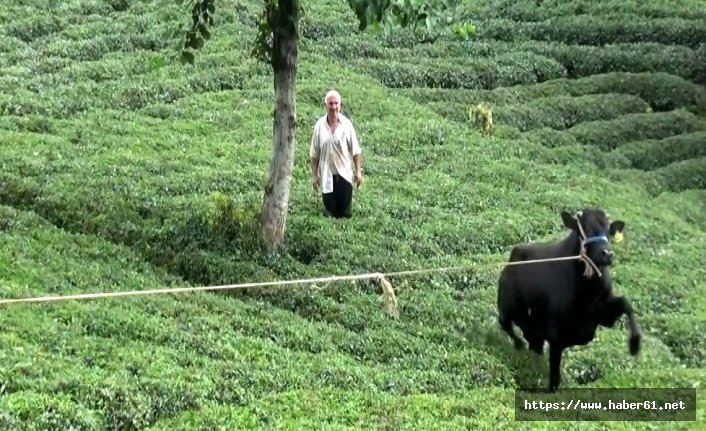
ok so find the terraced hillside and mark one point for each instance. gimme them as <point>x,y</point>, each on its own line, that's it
<point>124,170</point>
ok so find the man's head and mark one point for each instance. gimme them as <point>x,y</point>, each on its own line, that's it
<point>332,103</point>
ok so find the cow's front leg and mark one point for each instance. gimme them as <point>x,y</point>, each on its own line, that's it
<point>611,311</point>
<point>555,352</point>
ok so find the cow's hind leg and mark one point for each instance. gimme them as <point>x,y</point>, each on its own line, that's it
<point>506,323</point>
<point>612,310</point>
<point>535,340</point>
<point>555,352</point>
<point>507,308</point>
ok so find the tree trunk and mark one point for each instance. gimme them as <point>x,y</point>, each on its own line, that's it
<point>275,204</point>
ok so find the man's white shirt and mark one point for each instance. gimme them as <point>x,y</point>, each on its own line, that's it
<point>335,150</point>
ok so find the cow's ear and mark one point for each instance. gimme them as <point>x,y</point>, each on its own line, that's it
<point>616,227</point>
<point>569,220</point>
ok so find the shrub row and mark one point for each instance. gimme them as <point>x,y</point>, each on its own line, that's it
<point>701,54</point>
<point>551,138</point>
<point>107,69</point>
<point>76,12</point>
<point>17,56</point>
<point>133,93</point>
<point>609,134</point>
<point>662,91</point>
<point>93,29</point>
<point>532,10</point>
<point>678,176</point>
<point>31,24</point>
<point>450,110</point>
<point>582,60</point>
<point>655,153</point>
<point>563,112</point>
<point>597,30</point>
<point>47,72</point>
<point>363,45</point>
<point>46,67</point>
<point>316,29</point>
<point>578,60</point>
<point>91,43</point>
<point>9,44</point>
<point>501,71</point>
<point>95,48</point>
<point>554,113</point>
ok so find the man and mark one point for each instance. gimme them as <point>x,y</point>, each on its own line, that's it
<point>333,143</point>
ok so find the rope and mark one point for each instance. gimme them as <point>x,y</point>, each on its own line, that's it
<point>590,266</point>
<point>388,292</point>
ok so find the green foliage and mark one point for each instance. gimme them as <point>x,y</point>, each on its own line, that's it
<point>392,15</point>
<point>564,112</point>
<point>587,29</point>
<point>501,71</point>
<point>681,338</point>
<point>662,91</point>
<point>123,170</point>
<point>578,60</point>
<point>533,10</point>
<point>588,60</point>
<point>678,176</point>
<point>275,23</point>
<point>201,18</point>
<point>223,211</point>
<point>264,43</point>
<point>655,153</point>
<point>609,134</point>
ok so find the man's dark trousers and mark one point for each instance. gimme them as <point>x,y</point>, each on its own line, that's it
<point>339,202</point>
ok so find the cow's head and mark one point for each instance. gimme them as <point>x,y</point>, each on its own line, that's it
<point>595,232</point>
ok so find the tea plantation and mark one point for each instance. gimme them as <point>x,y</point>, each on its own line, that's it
<point>124,170</point>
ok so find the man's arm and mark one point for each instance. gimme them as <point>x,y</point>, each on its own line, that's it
<point>357,159</point>
<point>314,167</point>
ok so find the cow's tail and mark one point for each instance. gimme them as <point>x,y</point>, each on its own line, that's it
<point>635,336</point>
<point>634,333</point>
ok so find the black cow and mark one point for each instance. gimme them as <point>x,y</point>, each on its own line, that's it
<point>562,302</point>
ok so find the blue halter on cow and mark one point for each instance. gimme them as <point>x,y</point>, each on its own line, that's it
<point>563,301</point>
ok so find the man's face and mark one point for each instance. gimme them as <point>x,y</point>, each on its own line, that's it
<point>333,106</point>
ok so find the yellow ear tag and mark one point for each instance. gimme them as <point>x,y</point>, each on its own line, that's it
<point>618,237</point>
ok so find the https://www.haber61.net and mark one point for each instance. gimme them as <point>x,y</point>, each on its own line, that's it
<point>598,405</point>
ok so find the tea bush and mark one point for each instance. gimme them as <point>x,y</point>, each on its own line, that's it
<point>583,60</point>
<point>609,134</point>
<point>501,71</point>
<point>662,91</point>
<point>578,60</point>
<point>586,29</point>
<point>564,112</point>
<point>656,153</point>
<point>678,176</point>
<point>529,10</point>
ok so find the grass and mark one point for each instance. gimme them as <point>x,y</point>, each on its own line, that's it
<point>125,171</point>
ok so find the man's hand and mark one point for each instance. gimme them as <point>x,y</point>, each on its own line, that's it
<point>314,172</point>
<point>358,170</point>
